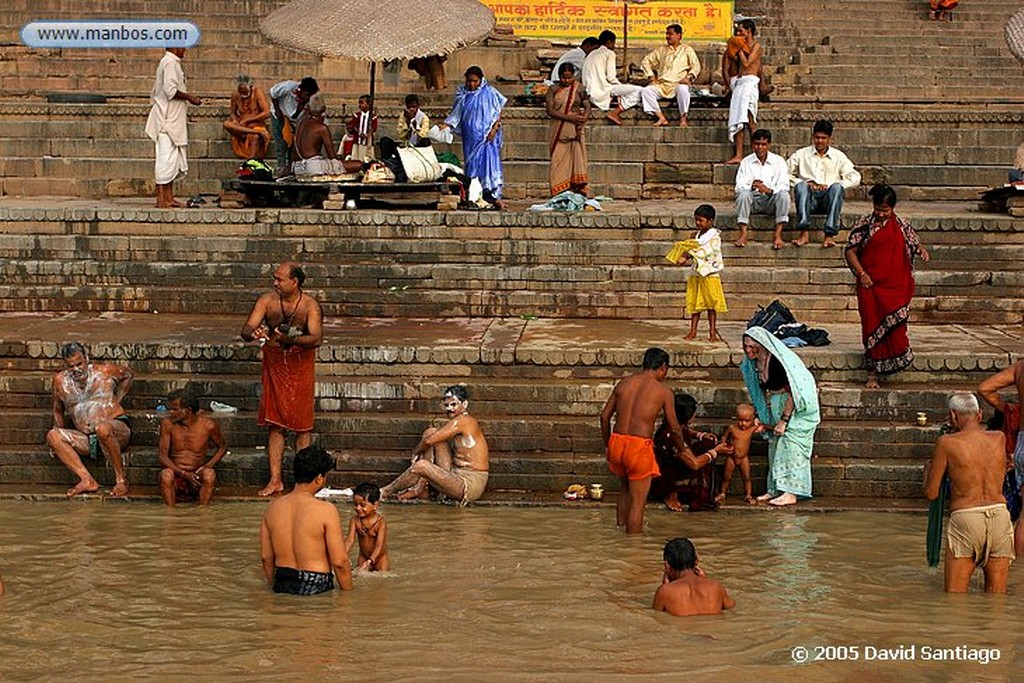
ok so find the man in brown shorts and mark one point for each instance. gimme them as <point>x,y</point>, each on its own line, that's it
<point>980,533</point>
<point>636,403</point>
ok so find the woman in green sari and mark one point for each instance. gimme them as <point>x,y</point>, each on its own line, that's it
<point>785,397</point>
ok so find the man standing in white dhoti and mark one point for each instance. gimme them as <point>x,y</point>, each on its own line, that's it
<point>167,125</point>
<point>745,88</point>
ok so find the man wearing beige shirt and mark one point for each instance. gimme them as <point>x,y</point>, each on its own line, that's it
<point>670,69</point>
<point>820,175</point>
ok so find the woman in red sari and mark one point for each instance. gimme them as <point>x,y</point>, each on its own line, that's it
<point>881,252</point>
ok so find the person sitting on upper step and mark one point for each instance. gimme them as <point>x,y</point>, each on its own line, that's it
<point>313,153</point>
<point>942,10</point>
<point>821,175</point>
<point>762,186</point>
<point>247,120</point>
<point>601,81</point>
<point>576,56</point>
<point>670,69</point>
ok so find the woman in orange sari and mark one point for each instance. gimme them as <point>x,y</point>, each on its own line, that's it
<point>569,108</point>
<point>881,252</point>
<point>943,9</point>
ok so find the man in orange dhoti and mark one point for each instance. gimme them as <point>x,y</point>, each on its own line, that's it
<point>288,324</point>
<point>569,108</point>
<point>247,120</point>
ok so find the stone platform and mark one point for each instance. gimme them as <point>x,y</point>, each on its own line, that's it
<point>539,314</point>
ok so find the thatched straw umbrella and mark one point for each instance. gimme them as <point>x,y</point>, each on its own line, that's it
<point>378,30</point>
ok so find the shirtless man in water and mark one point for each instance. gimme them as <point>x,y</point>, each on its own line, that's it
<point>685,590</point>
<point>636,402</point>
<point>287,323</point>
<point>301,543</point>
<point>980,533</point>
<point>91,393</point>
<point>185,439</point>
<point>1012,376</point>
<point>454,458</point>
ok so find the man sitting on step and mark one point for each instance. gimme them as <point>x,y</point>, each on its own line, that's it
<point>314,157</point>
<point>91,394</point>
<point>454,459</point>
<point>821,175</point>
<point>186,437</point>
<point>671,69</point>
<point>762,186</point>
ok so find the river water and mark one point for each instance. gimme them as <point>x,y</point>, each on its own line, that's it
<point>103,591</point>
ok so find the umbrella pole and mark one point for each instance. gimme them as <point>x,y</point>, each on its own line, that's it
<point>625,40</point>
<point>373,99</point>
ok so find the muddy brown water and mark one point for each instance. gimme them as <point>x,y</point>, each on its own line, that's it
<point>113,591</point>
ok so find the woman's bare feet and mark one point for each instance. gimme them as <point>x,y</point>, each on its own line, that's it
<point>872,382</point>
<point>673,504</point>
<point>783,500</point>
<point>84,486</point>
<point>764,498</point>
<point>120,489</point>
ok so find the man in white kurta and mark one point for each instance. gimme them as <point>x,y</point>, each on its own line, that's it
<point>670,68</point>
<point>167,125</point>
<point>602,83</point>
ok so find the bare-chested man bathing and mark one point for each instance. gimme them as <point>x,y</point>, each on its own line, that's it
<point>91,393</point>
<point>301,542</point>
<point>980,533</point>
<point>453,458</point>
<point>185,439</point>
<point>1012,376</point>
<point>636,403</point>
<point>287,322</point>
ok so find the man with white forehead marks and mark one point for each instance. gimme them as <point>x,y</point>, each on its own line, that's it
<point>454,458</point>
<point>91,394</point>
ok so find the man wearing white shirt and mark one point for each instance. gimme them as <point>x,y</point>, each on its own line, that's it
<point>576,57</point>
<point>288,99</point>
<point>601,82</point>
<point>762,186</point>
<point>820,175</point>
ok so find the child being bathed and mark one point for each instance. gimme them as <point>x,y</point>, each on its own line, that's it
<point>704,286</point>
<point>738,435</point>
<point>370,528</point>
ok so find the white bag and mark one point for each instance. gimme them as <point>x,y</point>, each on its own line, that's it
<point>442,135</point>
<point>420,164</point>
<point>476,190</point>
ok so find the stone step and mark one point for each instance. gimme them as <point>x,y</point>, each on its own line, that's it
<point>247,467</point>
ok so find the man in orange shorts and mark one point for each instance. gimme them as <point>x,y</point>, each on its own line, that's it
<point>636,403</point>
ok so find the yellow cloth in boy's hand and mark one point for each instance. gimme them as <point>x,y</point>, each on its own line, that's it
<point>680,249</point>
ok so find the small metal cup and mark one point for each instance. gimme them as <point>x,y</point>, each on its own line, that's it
<point>922,419</point>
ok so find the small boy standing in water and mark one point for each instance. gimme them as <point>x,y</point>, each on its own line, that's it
<point>704,286</point>
<point>370,528</point>
<point>739,435</point>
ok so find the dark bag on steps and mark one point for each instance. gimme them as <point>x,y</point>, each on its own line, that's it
<point>772,317</point>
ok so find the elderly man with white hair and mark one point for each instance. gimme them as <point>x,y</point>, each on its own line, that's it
<point>980,533</point>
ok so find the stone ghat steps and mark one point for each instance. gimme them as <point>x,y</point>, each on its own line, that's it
<point>514,302</point>
<point>109,155</point>
<point>501,397</point>
<point>877,477</point>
